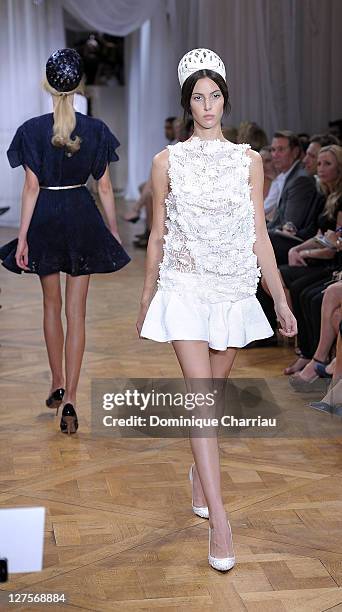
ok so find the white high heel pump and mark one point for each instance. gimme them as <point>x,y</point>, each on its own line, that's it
<point>201,511</point>
<point>223,564</point>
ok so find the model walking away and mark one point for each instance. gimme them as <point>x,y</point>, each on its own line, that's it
<point>208,192</point>
<point>61,228</point>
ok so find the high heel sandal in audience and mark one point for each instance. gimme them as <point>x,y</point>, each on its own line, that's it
<point>69,421</point>
<point>293,368</point>
<point>55,399</point>
<point>306,386</point>
<point>321,369</point>
<point>141,243</point>
<point>335,409</point>
<point>201,511</point>
<point>132,219</point>
<point>224,564</point>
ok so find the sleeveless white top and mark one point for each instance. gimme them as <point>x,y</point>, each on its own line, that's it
<point>208,248</point>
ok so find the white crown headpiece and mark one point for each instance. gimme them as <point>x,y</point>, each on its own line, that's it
<point>199,59</point>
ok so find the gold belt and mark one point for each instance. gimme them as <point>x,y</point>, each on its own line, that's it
<point>64,187</point>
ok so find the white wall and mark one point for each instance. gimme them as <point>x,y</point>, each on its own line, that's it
<point>29,33</point>
<point>108,103</point>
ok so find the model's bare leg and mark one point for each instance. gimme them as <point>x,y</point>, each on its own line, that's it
<point>221,365</point>
<point>222,362</point>
<point>76,291</point>
<point>53,328</point>
<point>193,357</point>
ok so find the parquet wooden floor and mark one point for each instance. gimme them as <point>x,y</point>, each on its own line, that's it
<point>120,534</point>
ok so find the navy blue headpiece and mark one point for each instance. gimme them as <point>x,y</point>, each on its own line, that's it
<point>64,69</point>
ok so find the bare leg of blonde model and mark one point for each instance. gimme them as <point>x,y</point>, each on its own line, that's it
<point>76,291</point>
<point>53,328</point>
<point>194,359</point>
<point>149,210</point>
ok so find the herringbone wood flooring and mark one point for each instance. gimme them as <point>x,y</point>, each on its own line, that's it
<point>119,533</point>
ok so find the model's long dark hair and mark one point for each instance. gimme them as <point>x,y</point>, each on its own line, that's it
<point>188,87</point>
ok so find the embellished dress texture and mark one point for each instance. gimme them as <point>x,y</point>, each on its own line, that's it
<point>209,275</point>
<point>67,232</point>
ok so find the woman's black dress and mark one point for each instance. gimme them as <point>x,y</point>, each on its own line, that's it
<point>67,232</point>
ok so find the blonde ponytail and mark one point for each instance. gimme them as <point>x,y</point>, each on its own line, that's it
<point>64,117</point>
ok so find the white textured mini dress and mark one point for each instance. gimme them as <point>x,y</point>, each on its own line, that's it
<point>209,275</point>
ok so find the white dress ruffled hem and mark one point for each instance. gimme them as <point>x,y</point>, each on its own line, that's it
<point>224,324</point>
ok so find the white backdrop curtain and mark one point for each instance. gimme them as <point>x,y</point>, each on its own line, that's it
<point>149,98</point>
<point>282,56</point>
<point>116,17</point>
<point>28,35</point>
<point>282,59</point>
<point>148,50</point>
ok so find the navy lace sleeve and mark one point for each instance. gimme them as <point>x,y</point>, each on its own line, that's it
<point>24,151</point>
<point>105,152</point>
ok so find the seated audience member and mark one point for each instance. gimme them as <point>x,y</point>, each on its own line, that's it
<point>230,133</point>
<point>324,301</point>
<point>304,140</point>
<point>145,189</point>
<point>299,204</point>
<point>310,332</point>
<point>312,260</point>
<point>271,183</point>
<point>181,131</point>
<point>310,160</point>
<point>145,199</point>
<point>134,214</point>
<point>332,401</point>
<point>169,129</point>
<point>252,134</point>
<point>335,128</point>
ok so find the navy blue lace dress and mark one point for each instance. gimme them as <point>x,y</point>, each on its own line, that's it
<point>67,232</point>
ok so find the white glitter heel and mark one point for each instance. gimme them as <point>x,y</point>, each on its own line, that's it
<point>223,565</point>
<point>201,511</point>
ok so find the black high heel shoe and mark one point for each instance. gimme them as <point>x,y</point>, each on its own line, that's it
<point>133,219</point>
<point>69,421</point>
<point>55,399</point>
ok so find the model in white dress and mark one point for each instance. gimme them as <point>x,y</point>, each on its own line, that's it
<point>209,274</point>
<point>208,192</point>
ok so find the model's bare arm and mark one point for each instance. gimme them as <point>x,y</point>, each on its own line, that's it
<point>154,255</point>
<point>264,250</point>
<point>29,199</point>
<point>106,195</point>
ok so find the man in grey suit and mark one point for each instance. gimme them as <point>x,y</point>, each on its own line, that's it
<point>299,204</point>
